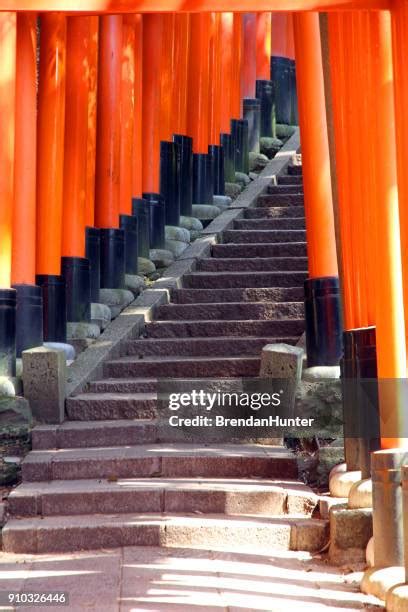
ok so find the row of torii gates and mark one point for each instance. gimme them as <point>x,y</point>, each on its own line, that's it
<point>116,78</point>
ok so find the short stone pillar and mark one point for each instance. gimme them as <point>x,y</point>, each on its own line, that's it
<point>44,380</point>
<point>283,363</point>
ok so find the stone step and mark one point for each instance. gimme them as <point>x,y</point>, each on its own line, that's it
<point>290,180</point>
<point>257,264</point>
<point>288,199</point>
<point>225,280</point>
<point>160,460</point>
<point>206,296</point>
<point>279,223</point>
<point>295,170</point>
<point>193,329</point>
<point>217,347</point>
<point>275,212</point>
<point>274,189</point>
<point>183,367</point>
<point>113,385</point>
<point>275,236</point>
<point>90,532</point>
<point>230,311</point>
<point>105,406</point>
<point>155,495</point>
<point>281,249</point>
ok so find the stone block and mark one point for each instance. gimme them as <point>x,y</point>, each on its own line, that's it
<point>191,223</point>
<point>82,330</point>
<point>242,179</point>
<point>257,161</point>
<point>222,201</point>
<point>328,457</point>
<point>284,131</point>
<point>283,363</point>
<point>350,531</point>
<point>177,247</point>
<point>116,299</point>
<point>44,380</point>
<point>270,146</point>
<point>14,411</point>
<point>145,266</point>
<point>134,283</point>
<point>162,258</point>
<point>206,212</point>
<point>321,373</point>
<point>100,314</point>
<point>7,386</point>
<point>67,349</point>
<point>232,190</point>
<point>177,233</point>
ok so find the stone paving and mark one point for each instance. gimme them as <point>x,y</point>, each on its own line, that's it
<point>177,580</point>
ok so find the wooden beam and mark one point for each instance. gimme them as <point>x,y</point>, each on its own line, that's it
<point>187,6</point>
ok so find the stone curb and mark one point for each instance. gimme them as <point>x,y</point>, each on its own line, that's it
<point>131,321</point>
<point>268,174</point>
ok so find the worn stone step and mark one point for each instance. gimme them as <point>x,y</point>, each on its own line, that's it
<point>281,249</point>
<point>264,236</point>
<point>206,296</point>
<point>97,433</point>
<point>104,406</point>
<point>290,180</point>
<point>217,347</point>
<point>215,532</point>
<point>284,199</point>
<point>295,170</point>
<point>224,280</point>
<point>274,189</point>
<point>230,310</point>
<point>275,212</point>
<point>155,495</point>
<point>113,385</point>
<point>183,367</point>
<point>192,329</point>
<point>279,223</point>
<point>257,264</point>
<point>160,460</point>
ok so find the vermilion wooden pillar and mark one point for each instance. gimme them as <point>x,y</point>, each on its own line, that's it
<point>248,76</point>
<point>198,82</point>
<point>7,126</point>
<point>92,61</point>
<point>323,324</point>
<point>181,55</point>
<point>107,179</point>
<point>138,117</point>
<point>127,109</point>
<point>237,48</point>
<point>75,267</point>
<point>167,77</point>
<point>152,53</point>
<point>263,45</point>
<point>50,170</point>
<point>227,29</point>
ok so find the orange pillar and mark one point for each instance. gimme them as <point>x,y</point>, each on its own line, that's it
<point>7,122</point>
<point>92,61</point>
<point>167,78</point>
<point>76,135</point>
<point>198,82</point>
<point>318,199</point>
<point>152,54</point>
<point>24,214</point>
<point>137,133</point>
<point>107,179</point>
<point>227,24</point>
<point>181,55</point>
<point>249,55</point>
<point>50,143</point>
<point>127,114</point>
<point>236,101</point>
<point>263,45</point>
<point>215,90</point>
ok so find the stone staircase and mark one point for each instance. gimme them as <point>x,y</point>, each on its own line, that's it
<point>108,478</point>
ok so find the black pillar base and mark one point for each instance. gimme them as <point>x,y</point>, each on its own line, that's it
<point>140,210</point>
<point>323,321</point>
<point>93,255</point>
<point>229,157</point>
<point>360,397</point>
<point>186,173</point>
<point>112,258</point>
<point>217,153</point>
<point>170,165</point>
<point>157,219</point>
<point>203,178</point>
<point>266,95</point>
<point>29,317</point>
<point>77,274</point>
<point>294,115</point>
<point>54,307</point>
<point>130,226</point>
<point>252,114</point>
<point>8,306</point>
<point>281,78</point>
<point>239,131</point>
